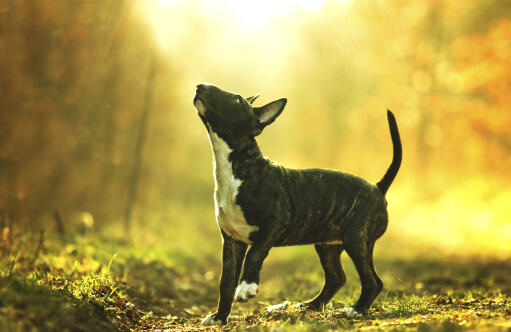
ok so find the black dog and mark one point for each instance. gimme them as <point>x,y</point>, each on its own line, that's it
<point>262,204</point>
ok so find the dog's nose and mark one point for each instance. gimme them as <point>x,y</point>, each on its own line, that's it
<point>201,87</point>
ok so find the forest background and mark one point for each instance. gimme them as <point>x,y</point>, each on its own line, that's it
<point>98,134</point>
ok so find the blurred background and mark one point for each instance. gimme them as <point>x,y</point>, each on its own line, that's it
<point>98,130</point>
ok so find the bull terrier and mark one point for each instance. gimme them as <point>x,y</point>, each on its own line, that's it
<point>260,204</point>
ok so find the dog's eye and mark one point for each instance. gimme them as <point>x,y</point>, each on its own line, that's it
<point>237,100</point>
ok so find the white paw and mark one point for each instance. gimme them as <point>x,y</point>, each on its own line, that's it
<point>245,291</point>
<point>210,320</point>
<point>350,311</point>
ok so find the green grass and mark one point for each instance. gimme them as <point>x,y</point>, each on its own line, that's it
<point>99,282</point>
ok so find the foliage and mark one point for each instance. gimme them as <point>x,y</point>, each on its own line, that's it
<point>76,80</point>
<point>85,283</point>
<point>73,90</point>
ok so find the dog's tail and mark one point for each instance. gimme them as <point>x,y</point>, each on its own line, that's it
<point>391,173</point>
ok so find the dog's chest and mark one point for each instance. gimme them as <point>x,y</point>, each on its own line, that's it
<point>229,215</point>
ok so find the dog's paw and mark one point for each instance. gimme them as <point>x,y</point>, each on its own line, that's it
<point>212,320</point>
<point>245,291</point>
<point>351,312</point>
<point>311,305</point>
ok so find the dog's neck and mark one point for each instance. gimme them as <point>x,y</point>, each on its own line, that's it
<point>244,150</point>
<point>232,155</point>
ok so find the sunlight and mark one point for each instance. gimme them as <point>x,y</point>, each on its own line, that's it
<point>167,18</point>
<point>252,15</point>
<point>247,15</point>
<point>167,2</point>
<point>267,45</point>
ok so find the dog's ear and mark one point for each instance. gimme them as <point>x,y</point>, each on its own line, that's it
<point>268,113</point>
<point>253,98</point>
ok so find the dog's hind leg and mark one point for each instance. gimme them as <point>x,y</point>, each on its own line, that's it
<point>361,252</point>
<point>330,258</point>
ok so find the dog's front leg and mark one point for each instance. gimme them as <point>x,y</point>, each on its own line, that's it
<point>251,268</point>
<point>233,253</point>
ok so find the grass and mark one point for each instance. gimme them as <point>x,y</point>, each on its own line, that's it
<point>95,282</point>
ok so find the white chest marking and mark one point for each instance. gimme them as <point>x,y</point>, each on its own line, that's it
<point>229,215</point>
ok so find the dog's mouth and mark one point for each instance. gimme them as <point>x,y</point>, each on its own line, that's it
<point>196,97</point>
<point>199,104</point>
<point>202,99</point>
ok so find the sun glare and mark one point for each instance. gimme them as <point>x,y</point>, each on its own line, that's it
<point>249,15</point>
<point>167,18</point>
<point>252,15</point>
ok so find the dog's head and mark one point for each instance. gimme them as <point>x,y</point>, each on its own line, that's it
<point>232,116</point>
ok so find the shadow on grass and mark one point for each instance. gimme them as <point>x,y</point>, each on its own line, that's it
<point>155,286</point>
<point>26,305</point>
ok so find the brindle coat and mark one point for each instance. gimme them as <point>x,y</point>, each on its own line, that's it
<point>335,211</point>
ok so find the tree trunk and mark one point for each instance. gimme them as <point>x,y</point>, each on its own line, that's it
<point>142,132</point>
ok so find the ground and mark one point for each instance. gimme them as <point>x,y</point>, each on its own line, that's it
<point>98,282</point>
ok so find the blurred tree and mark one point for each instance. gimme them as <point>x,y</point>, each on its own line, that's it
<point>73,79</point>
<point>72,89</point>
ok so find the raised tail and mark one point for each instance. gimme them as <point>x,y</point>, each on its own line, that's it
<point>391,173</point>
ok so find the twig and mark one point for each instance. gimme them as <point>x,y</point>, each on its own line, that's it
<point>58,221</point>
<point>40,245</point>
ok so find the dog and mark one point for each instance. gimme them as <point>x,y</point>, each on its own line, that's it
<point>260,204</point>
